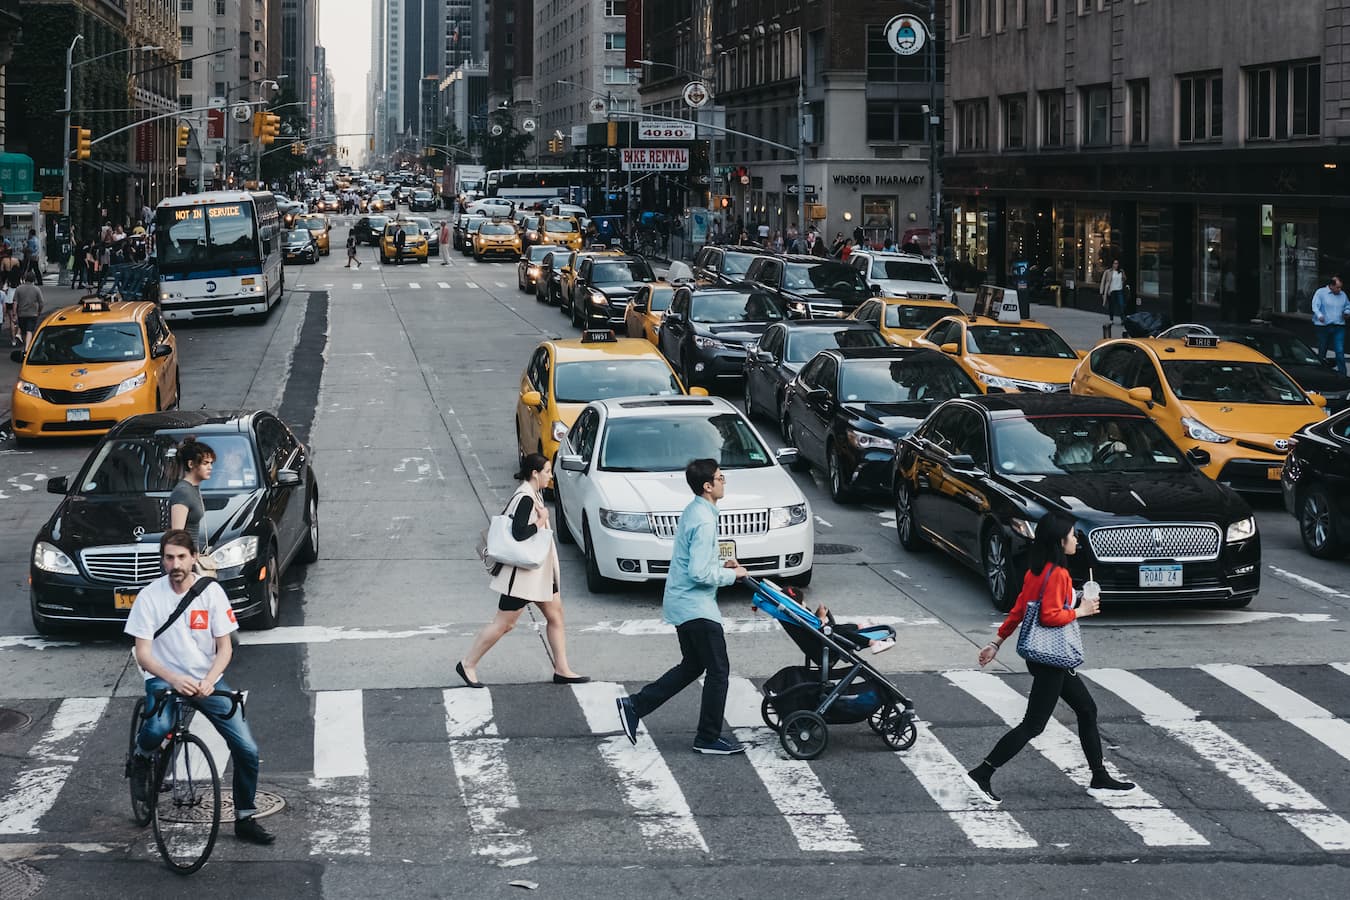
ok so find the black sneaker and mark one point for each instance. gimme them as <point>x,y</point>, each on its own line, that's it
<point>982,785</point>
<point>249,830</point>
<point>1104,783</point>
<point>628,718</point>
<point>140,778</point>
<point>719,747</point>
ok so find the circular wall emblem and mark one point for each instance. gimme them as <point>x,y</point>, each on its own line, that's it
<point>241,112</point>
<point>528,125</point>
<point>906,35</point>
<point>696,95</point>
<point>496,130</point>
<point>597,105</point>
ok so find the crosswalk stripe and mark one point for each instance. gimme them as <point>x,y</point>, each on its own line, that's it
<point>1270,787</point>
<point>36,789</point>
<point>650,790</point>
<point>1291,706</point>
<point>356,285</point>
<point>414,285</point>
<point>341,775</point>
<point>1141,811</point>
<point>792,785</point>
<point>471,285</point>
<point>942,776</point>
<point>500,284</point>
<point>443,285</point>
<point>1341,667</point>
<point>485,784</point>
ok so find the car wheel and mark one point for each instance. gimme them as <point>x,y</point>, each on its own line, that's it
<point>309,551</point>
<point>839,491</point>
<point>578,317</point>
<point>562,532</point>
<point>998,569</point>
<point>749,400</point>
<point>595,582</point>
<point>687,371</point>
<point>158,405</point>
<point>477,257</point>
<point>801,463</point>
<point>906,526</point>
<point>270,614</point>
<point>1317,524</point>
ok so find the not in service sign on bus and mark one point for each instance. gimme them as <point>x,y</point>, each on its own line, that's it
<point>654,159</point>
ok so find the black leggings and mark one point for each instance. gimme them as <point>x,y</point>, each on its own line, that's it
<point>1049,685</point>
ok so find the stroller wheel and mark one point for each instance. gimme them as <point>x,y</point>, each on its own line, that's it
<point>770,715</point>
<point>877,720</point>
<point>805,735</point>
<point>900,732</point>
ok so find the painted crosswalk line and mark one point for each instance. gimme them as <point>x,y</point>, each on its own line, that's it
<point>471,286</point>
<point>341,776</point>
<point>443,285</point>
<point>1313,720</point>
<point>38,787</point>
<point>485,785</point>
<point>414,285</point>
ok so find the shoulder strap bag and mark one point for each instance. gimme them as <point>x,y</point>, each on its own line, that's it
<point>193,593</point>
<point>1060,646</point>
<point>497,546</point>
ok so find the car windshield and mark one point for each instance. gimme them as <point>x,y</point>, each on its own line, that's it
<point>297,238</point>
<point>903,315</point>
<point>422,222</point>
<point>733,307</point>
<point>822,276</point>
<point>582,382</point>
<point>659,298</point>
<point>734,264</point>
<point>539,251</point>
<point>804,344</point>
<point>1223,381</point>
<point>205,237</point>
<point>475,224</point>
<point>1011,340</point>
<point>150,465</point>
<point>1282,349</point>
<point>313,223</point>
<point>422,195</point>
<point>667,444</point>
<point>377,223</point>
<point>905,270</point>
<point>621,272</point>
<point>1054,445</point>
<point>496,228</point>
<point>903,381</point>
<point>561,226</point>
<point>62,345</point>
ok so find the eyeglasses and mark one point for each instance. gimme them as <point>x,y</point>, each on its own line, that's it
<point>720,478</point>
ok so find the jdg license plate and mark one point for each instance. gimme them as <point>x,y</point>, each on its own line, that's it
<point>726,550</point>
<point>1159,576</point>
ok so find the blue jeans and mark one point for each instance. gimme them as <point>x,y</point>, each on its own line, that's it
<point>1115,305</point>
<point>235,731</point>
<point>1332,336</point>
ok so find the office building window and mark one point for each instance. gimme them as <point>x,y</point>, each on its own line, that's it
<point>1052,119</point>
<point>885,65</point>
<point>1014,122</point>
<point>1096,117</point>
<point>617,75</point>
<point>1138,92</point>
<point>185,5</point>
<point>1051,10</point>
<point>185,101</point>
<point>616,8</point>
<point>964,13</point>
<point>894,122</point>
<point>185,35</point>
<point>1200,108</point>
<point>220,7</point>
<point>1284,101</point>
<point>185,69</point>
<point>972,118</point>
<point>616,41</point>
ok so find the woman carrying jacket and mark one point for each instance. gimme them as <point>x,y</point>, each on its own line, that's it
<point>1048,578</point>
<point>520,587</point>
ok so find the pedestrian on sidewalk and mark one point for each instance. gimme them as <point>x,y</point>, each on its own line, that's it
<point>690,604</point>
<point>1330,309</point>
<point>351,249</point>
<point>444,242</point>
<point>1112,289</point>
<point>10,279</point>
<point>520,587</point>
<point>1047,580</point>
<point>28,304</point>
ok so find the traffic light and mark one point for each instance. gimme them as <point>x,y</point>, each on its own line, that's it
<point>83,148</point>
<point>271,127</point>
<point>296,150</point>
<point>555,145</point>
<point>184,132</point>
<point>258,124</point>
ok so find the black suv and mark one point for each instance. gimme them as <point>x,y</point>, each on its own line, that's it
<point>707,329</point>
<point>810,287</point>
<point>725,265</point>
<point>369,229</point>
<point>603,288</point>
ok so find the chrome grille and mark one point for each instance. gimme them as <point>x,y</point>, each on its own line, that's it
<point>730,525</point>
<point>1131,543</point>
<point>130,564</point>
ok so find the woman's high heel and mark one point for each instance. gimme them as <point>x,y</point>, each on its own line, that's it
<point>459,670</point>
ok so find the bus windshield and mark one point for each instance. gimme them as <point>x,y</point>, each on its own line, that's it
<point>218,235</point>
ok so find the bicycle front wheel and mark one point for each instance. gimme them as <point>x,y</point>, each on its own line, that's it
<point>187,806</point>
<point>141,810</point>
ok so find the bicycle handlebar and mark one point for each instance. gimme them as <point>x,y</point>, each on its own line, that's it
<point>162,698</point>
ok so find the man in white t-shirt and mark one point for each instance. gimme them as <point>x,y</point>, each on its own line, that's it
<point>189,657</point>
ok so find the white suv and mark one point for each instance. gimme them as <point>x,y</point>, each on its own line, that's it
<point>902,274</point>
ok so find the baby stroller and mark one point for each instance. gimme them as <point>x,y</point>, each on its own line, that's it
<point>835,686</point>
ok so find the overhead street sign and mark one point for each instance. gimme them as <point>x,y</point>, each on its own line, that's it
<point>666,131</point>
<point>654,159</point>
<point>794,189</point>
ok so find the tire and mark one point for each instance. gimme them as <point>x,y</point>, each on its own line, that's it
<point>687,372</point>
<point>562,532</point>
<point>906,526</point>
<point>267,618</point>
<point>770,715</point>
<point>877,720</point>
<point>800,464</point>
<point>998,568</point>
<point>899,731</point>
<point>185,829</point>
<point>159,404</point>
<point>477,257</point>
<point>839,491</point>
<point>802,580</point>
<point>595,582</point>
<point>1317,524</point>
<point>309,550</point>
<point>804,735</point>
<point>141,813</point>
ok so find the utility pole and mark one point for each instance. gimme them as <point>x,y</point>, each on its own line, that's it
<point>801,146</point>
<point>933,120</point>
<point>65,157</point>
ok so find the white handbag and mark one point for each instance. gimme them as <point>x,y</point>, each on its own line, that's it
<point>499,546</point>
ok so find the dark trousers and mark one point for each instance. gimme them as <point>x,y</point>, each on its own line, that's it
<point>1115,305</point>
<point>703,649</point>
<point>1049,685</point>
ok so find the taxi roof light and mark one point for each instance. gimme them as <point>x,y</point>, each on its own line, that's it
<point>93,303</point>
<point>1201,341</point>
<point>598,336</point>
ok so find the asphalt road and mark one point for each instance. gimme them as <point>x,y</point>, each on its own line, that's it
<point>1234,722</point>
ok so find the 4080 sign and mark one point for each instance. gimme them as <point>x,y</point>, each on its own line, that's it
<point>666,131</point>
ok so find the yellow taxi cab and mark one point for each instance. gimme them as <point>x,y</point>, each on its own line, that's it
<point>561,230</point>
<point>496,238</point>
<point>562,376</point>
<point>1005,353</point>
<point>91,365</point>
<point>902,319</point>
<point>319,227</point>
<point>643,315</point>
<point>1229,407</point>
<point>414,243</point>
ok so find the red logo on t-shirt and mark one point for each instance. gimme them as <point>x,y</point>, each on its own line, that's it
<point>197,619</point>
<point>230,614</point>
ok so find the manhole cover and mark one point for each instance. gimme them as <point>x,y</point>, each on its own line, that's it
<point>266,803</point>
<point>835,549</point>
<point>13,720</point>
<point>19,882</point>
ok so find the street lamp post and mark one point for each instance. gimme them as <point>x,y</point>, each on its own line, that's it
<point>609,117</point>
<point>224,173</point>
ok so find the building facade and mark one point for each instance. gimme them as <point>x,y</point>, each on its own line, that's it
<point>206,26</point>
<point>580,42</point>
<point>10,24</point>
<point>1201,143</point>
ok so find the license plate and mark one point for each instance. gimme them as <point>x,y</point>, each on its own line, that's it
<point>77,415</point>
<point>1273,473</point>
<point>123,598</point>
<point>1160,576</point>
<point>726,550</point>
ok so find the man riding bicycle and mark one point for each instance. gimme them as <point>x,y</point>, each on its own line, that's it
<point>182,624</point>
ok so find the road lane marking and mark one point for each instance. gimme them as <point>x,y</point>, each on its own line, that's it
<point>413,285</point>
<point>35,790</point>
<point>356,285</point>
<point>1313,720</point>
<point>341,776</point>
<point>1267,785</point>
<point>500,284</point>
<point>1209,617</point>
<point>1141,812</point>
<point>759,625</point>
<point>1341,667</point>
<point>1314,586</point>
<point>485,784</point>
<point>471,285</point>
<point>794,788</point>
<point>443,285</point>
<point>648,786</point>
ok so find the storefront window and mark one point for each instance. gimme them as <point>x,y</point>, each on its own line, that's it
<point>1296,275</point>
<point>1155,253</point>
<point>970,238</point>
<point>878,218</point>
<point>1092,233</point>
<point>1066,246</point>
<point>1217,270</point>
<point>1028,237</point>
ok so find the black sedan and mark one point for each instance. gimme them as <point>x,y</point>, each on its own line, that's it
<point>368,229</point>
<point>548,284</point>
<point>604,286</point>
<point>706,330</point>
<point>848,408</point>
<point>1315,482</point>
<point>1286,350</point>
<point>978,475</point>
<point>297,246</point>
<point>528,268</point>
<point>101,545</point>
<point>422,201</point>
<point>785,347</point>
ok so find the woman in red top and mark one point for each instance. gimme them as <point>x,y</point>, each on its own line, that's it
<point>1048,578</point>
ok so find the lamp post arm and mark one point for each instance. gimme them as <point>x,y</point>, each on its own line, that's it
<point>177,113</point>
<point>645,116</point>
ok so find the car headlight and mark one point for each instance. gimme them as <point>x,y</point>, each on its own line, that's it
<point>870,441</point>
<point>237,552</point>
<point>50,558</point>
<point>130,384</point>
<point>625,521</point>
<point>559,431</point>
<point>1024,528</point>
<point>27,387</point>
<point>998,381</point>
<point>1199,431</point>
<point>599,299</point>
<point>786,516</point>
<point>707,343</point>
<point>1241,530</point>
<point>533,271</point>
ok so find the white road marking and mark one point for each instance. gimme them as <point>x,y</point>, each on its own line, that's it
<point>760,625</point>
<point>1341,667</point>
<point>341,776</point>
<point>1142,812</point>
<point>1313,720</point>
<point>36,789</point>
<point>1221,617</point>
<point>650,790</point>
<point>1267,785</point>
<point>902,574</point>
<point>356,285</point>
<point>794,788</point>
<point>485,784</point>
<point>470,284</point>
<point>1308,583</point>
<point>820,521</point>
<point>414,286</point>
<point>443,285</point>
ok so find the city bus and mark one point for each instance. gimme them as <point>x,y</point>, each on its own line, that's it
<point>525,187</point>
<point>219,254</point>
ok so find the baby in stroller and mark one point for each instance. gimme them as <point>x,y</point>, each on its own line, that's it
<point>879,638</point>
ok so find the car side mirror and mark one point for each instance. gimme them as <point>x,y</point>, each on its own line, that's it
<point>952,349</point>
<point>876,290</point>
<point>159,351</point>
<point>963,462</point>
<point>785,456</point>
<point>1318,400</point>
<point>697,391</point>
<point>58,485</point>
<point>1199,456</point>
<point>1142,395</point>
<point>764,356</point>
<point>572,462</point>
<point>532,398</point>
<point>818,395</point>
<point>639,307</point>
<point>288,477</point>
<point>16,356</point>
<point>672,317</point>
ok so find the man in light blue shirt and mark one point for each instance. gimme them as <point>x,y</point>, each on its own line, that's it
<point>1329,309</point>
<point>690,604</point>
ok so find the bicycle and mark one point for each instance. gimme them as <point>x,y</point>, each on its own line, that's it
<point>183,790</point>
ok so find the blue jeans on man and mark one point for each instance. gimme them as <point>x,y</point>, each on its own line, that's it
<point>1332,336</point>
<point>235,731</point>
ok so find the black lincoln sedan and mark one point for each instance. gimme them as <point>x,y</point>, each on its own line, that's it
<point>785,347</point>
<point>978,475</point>
<point>847,409</point>
<point>706,330</point>
<point>101,545</point>
<point>1315,482</point>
